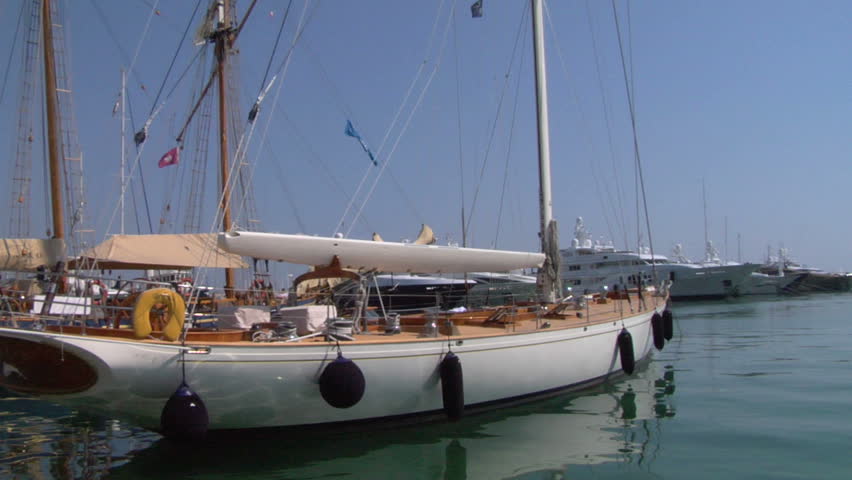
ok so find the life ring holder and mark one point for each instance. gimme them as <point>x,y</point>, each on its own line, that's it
<point>159,296</point>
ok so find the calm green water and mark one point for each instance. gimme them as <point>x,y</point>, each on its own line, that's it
<point>757,389</point>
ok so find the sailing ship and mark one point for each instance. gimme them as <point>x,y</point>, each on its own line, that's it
<point>325,366</point>
<point>36,270</point>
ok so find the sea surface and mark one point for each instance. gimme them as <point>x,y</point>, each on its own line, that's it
<point>752,389</point>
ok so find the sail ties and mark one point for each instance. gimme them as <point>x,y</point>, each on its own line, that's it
<point>549,275</point>
<point>426,236</point>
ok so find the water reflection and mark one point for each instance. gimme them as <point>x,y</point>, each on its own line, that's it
<point>620,423</point>
<point>40,440</point>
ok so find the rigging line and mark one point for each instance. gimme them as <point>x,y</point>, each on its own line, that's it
<point>241,147</point>
<point>303,22</point>
<point>282,179</point>
<point>200,53</point>
<point>352,201</point>
<point>521,29</point>
<point>459,127</point>
<point>168,214</point>
<point>133,168</point>
<point>237,160</point>
<point>275,46</point>
<point>408,93</point>
<point>282,71</point>
<point>12,51</point>
<point>242,24</point>
<point>406,197</point>
<point>198,103</point>
<point>213,76</point>
<point>76,204</point>
<point>602,192</point>
<point>139,150</point>
<point>129,178</point>
<point>329,173</point>
<point>407,123</point>
<point>618,210</point>
<point>300,29</point>
<point>144,33</point>
<point>367,171</point>
<point>641,178</point>
<point>135,207</point>
<point>630,48</point>
<point>392,126</point>
<point>106,24</point>
<point>45,168</point>
<point>174,57</point>
<point>414,80</point>
<point>347,111</point>
<point>509,146</point>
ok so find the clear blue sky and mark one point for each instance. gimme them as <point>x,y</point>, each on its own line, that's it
<point>750,98</point>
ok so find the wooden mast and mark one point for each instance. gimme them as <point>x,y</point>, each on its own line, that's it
<point>223,38</point>
<point>52,121</point>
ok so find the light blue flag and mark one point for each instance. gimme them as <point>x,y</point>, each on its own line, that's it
<point>350,130</point>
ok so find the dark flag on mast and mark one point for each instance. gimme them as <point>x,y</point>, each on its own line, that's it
<point>476,9</point>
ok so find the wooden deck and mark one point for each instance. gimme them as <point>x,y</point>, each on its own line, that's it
<point>478,323</point>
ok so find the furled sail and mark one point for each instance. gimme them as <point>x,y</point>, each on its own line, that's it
<point>426,236</point>
<point>164,251</point>
<point>380,256</point>
<point>28,254</point>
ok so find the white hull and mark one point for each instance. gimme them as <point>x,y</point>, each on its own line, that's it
<point>276,385</point>
<point>763,284</point>
<point>378,256</point>
<point>700,281</point>
<point>592,270</point>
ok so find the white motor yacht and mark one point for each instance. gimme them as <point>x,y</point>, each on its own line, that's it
<point>598,266</point>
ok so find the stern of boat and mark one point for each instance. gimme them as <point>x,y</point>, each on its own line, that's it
<point>35,366</point>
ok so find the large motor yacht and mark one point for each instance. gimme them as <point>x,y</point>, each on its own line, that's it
<point>589,266</point>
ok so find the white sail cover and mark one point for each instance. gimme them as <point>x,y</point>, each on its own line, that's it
<point>378,256</point>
